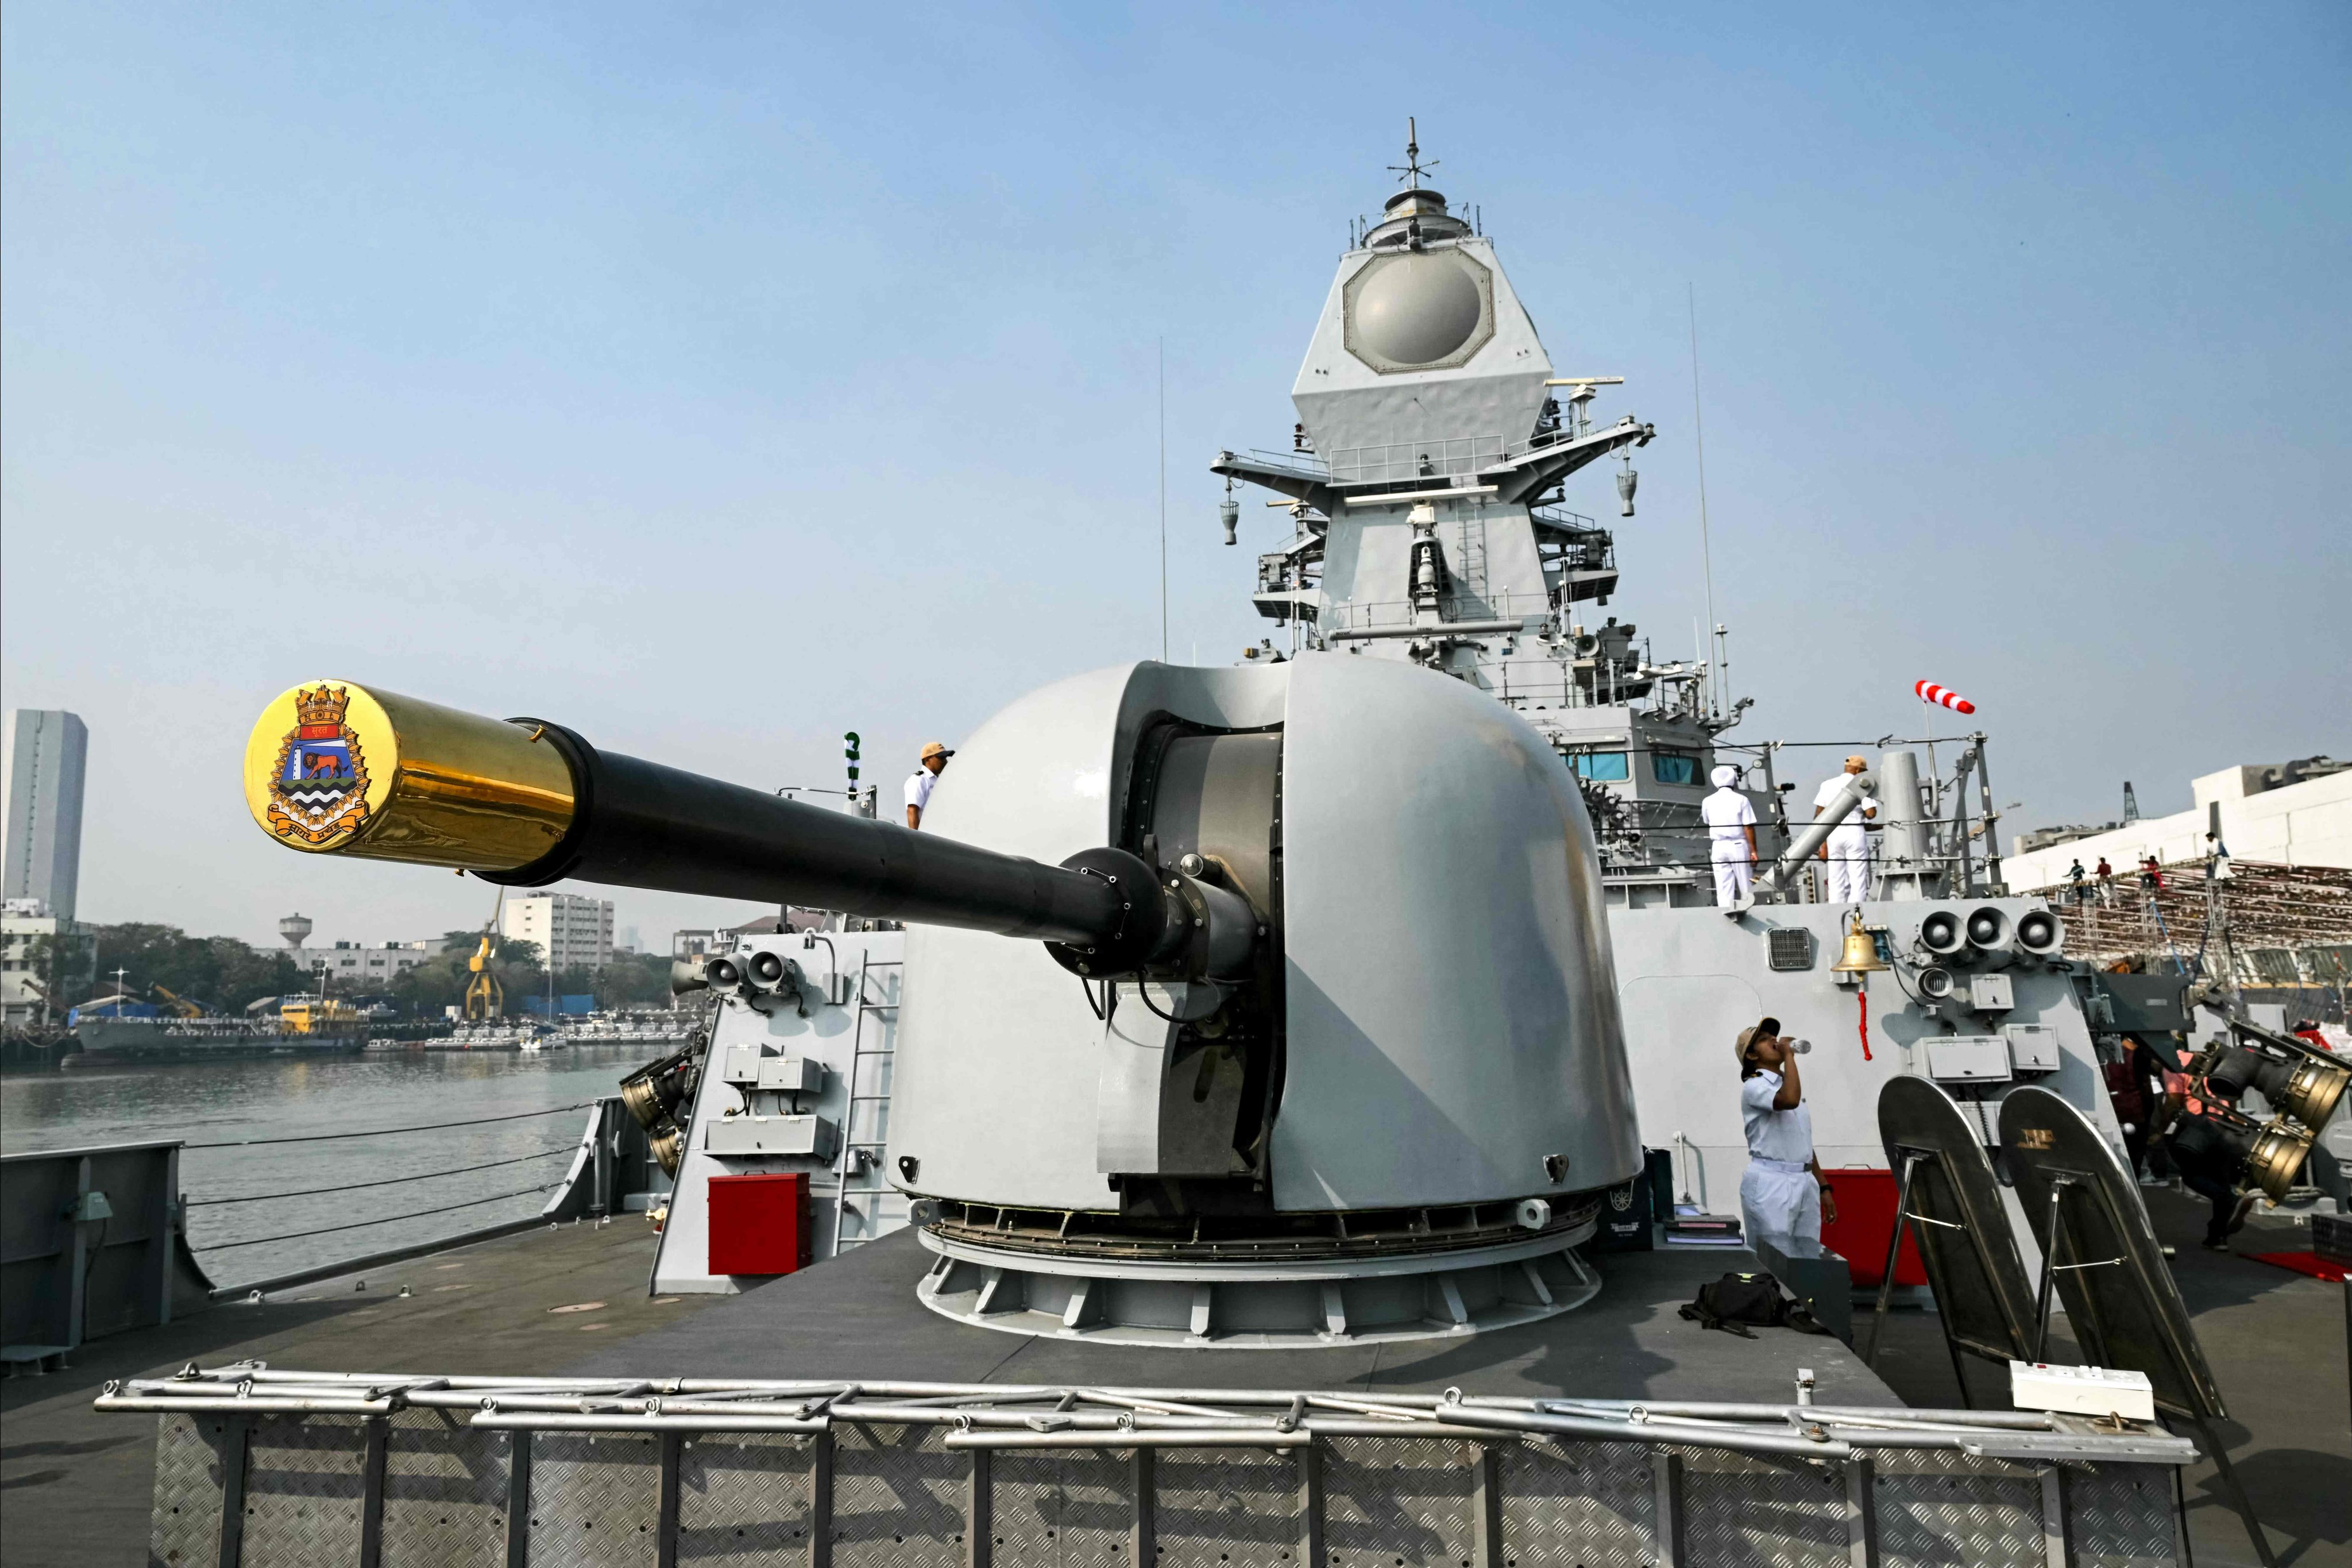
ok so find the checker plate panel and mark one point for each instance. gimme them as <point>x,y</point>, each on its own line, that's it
<point>445,1489</point>
<point>592,1498</point>
<point>1386,1498</point>
<point>1578,1505</point>
<point>744,1497</point>
<point>2120,1515</point>
<point>897,1498</point>
<point>1070,1510</point>
<point>184,1530</point>
<point>1745,1513</point>
<point>1935,1508</point>
<point>1237,1507</point>
<point>302,1491</point>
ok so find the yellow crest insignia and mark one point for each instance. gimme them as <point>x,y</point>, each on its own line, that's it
<point>318,787</point>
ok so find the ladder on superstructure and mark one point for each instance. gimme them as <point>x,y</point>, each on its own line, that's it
<point>1470,569</point>
<point>861,1157</point>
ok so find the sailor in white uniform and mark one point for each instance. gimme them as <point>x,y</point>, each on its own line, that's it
<point>918,782</point>
<point>1731,837</point>
<point>1783,1199</point>
<point>1847,851</point>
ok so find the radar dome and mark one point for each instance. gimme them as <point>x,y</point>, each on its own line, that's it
<point>1418,310</point>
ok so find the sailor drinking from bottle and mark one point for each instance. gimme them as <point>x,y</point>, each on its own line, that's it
<point>1782,1197</point>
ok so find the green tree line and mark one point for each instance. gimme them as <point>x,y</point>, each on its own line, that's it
<point>631,979</point>
<point>227,975</point>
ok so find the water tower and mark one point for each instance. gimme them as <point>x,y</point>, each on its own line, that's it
<point>296,929</point>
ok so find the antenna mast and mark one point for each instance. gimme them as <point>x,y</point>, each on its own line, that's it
<point>1163,499</point>
<point>1413,168</point>
<point>1698,430</point>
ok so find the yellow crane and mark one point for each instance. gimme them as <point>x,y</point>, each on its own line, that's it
<point>180,1005</point>
<point>486,999</point>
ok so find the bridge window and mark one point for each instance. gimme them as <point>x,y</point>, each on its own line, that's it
<point>1674,767</point>
<point>1607,767</point>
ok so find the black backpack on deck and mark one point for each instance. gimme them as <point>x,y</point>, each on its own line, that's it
<point>1735,1301</point>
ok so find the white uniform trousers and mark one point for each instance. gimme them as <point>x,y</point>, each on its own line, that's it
<point>1780,1204</point>
<point>1848,868</point>
<point>1734,873</point>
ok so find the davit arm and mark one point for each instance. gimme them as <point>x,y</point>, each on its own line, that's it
<point>1817,832</point>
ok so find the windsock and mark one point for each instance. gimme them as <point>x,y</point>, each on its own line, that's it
<point>1943,697</point>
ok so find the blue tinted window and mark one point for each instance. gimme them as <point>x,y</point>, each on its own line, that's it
<point>1674,767</point>
<point>1606,766</point>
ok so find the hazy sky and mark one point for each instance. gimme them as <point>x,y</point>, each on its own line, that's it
<point>720,378</point>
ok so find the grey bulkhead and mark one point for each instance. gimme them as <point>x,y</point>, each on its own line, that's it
<point>1452,1014</point>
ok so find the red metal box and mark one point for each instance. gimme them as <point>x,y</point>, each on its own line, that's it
<point>760,1224</point>
<point>1865,1201</point>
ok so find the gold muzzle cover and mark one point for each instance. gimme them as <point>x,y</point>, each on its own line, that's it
<point>336,768</point>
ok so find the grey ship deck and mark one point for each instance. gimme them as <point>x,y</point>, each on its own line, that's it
<point>77,1483</point>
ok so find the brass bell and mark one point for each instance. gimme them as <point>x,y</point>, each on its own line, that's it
<point>1861,955</point>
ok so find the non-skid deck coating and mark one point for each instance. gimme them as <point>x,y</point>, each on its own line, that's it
<point>76,1486</point>
<point>857,1317</point>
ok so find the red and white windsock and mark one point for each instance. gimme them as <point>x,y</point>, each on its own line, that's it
<point>1943,697</point>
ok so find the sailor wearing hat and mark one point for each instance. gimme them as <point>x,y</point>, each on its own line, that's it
<point>1731,837</point>
<point>1782,1197</point>
<point>1847,849</point>
<point>934,761</point>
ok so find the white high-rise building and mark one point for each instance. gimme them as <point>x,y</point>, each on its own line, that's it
<point>573,932</point>
<point>48,749</point>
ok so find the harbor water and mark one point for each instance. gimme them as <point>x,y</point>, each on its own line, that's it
<point>319,1101</point>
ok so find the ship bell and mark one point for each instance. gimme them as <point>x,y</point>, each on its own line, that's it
<point>1861,955</point>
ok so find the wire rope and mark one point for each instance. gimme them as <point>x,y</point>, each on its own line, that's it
<point>390,1132</point>
<point>363,1224</point>
<point>386,1182</point>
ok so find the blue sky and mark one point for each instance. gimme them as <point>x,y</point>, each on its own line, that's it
<point>718,379</point>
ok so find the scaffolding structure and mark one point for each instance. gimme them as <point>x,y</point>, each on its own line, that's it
<point>2269,924</point>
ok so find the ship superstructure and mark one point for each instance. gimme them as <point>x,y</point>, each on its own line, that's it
<point>1426,479</point>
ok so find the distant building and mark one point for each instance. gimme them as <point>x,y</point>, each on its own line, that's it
<point>573,932</point>
<point>360,966</point>
<point>48,751</point>
<point>45,964</point>
<point>2295,813</point>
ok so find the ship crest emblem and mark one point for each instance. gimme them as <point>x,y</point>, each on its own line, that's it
<point>318,788</point>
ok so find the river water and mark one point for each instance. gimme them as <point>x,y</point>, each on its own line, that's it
<point>280,1098</point>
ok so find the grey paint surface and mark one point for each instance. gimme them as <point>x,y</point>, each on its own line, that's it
<point>1452,1010</point>
<point>1692,978</point>
<point>857,1316</point>
<point>1346,404</point>
<point>1000,1058</point>
<point>852,1046</point>
<point>1449,977</point>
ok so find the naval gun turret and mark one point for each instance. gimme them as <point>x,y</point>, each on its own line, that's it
<point>1311,1032</point>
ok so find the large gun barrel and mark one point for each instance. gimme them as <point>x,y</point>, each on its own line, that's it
<point>341,768</point>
